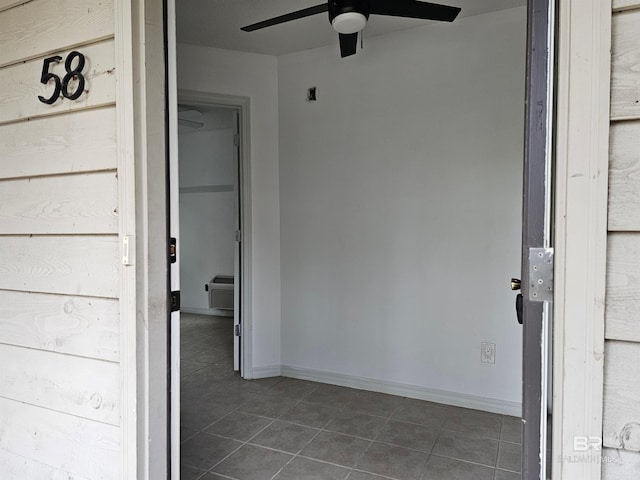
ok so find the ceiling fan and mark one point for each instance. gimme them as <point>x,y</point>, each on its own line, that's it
<point>349,17</point>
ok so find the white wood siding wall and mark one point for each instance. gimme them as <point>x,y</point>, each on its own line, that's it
<point>60,376</point>
<point>621,422</point>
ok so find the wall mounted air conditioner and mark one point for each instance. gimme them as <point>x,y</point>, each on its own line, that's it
<point>220,290</point>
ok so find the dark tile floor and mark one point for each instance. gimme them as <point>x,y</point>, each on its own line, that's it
<point>287,429</point>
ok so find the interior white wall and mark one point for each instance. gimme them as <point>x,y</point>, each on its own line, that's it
<point>400,195</point>
<point>207,207</point>
<point>212,70</point>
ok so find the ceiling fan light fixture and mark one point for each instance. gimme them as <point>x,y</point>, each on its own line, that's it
<point>349,22</point>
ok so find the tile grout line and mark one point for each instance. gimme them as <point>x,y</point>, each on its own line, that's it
<point>247,442</point>
<point>468,461</point>
<point>322,429</point>
<point>499,446</point>
<point>210,470</point>
<point>441,430</point>
<point>376,436</point>
<point>303,447</point>
<point>438,432</point>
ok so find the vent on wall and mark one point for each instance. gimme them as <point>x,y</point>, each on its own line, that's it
<point>220,290</point>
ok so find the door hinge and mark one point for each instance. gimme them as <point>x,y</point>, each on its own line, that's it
<point>175,300</point>
<point>540,275</point>
<point>236,140</point>
<point>238,236</point>
<point>173,250</point>
<point>236,330</point>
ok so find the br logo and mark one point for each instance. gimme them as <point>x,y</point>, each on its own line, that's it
<point>584,444</point>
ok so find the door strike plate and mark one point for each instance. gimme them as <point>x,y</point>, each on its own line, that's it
<point>174,301</point>
<point>173,250</point>
<point>541,274</point>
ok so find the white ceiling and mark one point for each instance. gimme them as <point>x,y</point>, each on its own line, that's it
<point>216,23</point>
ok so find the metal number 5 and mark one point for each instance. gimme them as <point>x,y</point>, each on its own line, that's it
<point>46,76</point>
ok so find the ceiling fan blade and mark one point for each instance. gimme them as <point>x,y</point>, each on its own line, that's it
<point>348,44</point>
<point>306,12</point>
<point>414,9</point>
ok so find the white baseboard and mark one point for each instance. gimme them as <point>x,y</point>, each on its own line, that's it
<point>411,391</point>
<point>264,372</point>
<point>207,311</point>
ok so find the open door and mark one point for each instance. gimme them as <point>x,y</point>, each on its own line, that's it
<point>173,221</point>
<point>533,304</point>
<point>237,256</point>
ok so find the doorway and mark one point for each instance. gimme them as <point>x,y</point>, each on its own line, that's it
<point>211,218</point>
<point>317,173</point>
<point>211,192</point>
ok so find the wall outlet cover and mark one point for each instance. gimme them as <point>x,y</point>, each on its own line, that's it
<point>488,352</point>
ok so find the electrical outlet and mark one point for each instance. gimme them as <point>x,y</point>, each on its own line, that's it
<point>488,352</point>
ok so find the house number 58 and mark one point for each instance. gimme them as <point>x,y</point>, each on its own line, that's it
<point>62,85</point>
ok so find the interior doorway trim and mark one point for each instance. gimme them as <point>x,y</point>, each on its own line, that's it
<point>206,99</point>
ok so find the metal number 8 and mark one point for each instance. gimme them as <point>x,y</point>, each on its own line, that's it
<point>71,73</point>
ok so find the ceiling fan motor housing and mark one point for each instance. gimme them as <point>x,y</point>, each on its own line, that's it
<point>345,11</point>
<point>337,7</point>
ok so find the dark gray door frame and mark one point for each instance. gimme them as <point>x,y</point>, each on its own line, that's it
<point>536,221</point>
